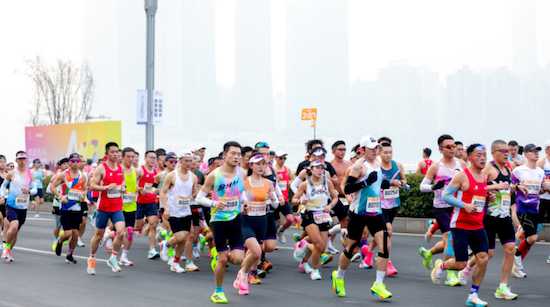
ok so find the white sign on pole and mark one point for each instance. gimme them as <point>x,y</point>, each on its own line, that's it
<point>158,108</point>
<point>142,107</point>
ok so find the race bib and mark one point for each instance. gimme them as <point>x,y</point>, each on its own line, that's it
<point>183,202</point>
<point>256,208</point>
<point>391,193</point>
<point>232,203</point>
<point>505,202</point>
<point>128,198</point>
<point>533,187</point>
<point>116,193</point>
<point>148,187</point>
<point>74,195</point>
<point>22,200</point>
<point>479,203</point>
<point>373,204</point>
<point>321,217</point>
<point>282,185</point>
<point>344,201</point>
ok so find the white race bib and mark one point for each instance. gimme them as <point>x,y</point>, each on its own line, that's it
<point>22,201</point>
<point>232,203</point>
<point>282,185</point>
<point>533,187</point>
<point>74,195</point>
<point>479,203</point>
<point>373,204</point>
<point>391,193</point>
<point>505,202</point>
<point>116,193</point>
<point>128,198</point>
<point>344,201</point>
<point>256,208</point>
<point>321,217</point>
<point>183,202</point>
<point>148,187</point>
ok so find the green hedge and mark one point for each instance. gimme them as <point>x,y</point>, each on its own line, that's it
<point>413,202</point>
<point>47,197</point>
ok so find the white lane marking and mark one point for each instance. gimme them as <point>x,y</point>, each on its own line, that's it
<point>52,253</point>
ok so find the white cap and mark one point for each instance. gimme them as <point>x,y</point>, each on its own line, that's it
<point>257,158</point>
<point>317,162</point>
<point>352,155</point>
<point>198,147</point>
<point>186,154</point>
<point>547,144</point>
<point>368,141</point>
<point>280,153</point>
<point>319,151</point>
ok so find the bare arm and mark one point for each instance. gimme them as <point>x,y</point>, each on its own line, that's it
<point>99,174</point>
<point>168,181</point>
<point>421,165</point>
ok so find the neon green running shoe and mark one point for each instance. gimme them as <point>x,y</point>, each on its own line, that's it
<point>337,284</point>
<point>214,261</point>
<point>296,238</point>
<point>219,298</point>
<point>452,280</point>
<point>426,258</point>
<point>380,290</point>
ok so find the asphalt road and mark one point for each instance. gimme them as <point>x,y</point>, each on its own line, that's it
<point>39,278</point>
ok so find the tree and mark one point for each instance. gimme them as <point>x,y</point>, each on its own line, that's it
<point>63,92</point>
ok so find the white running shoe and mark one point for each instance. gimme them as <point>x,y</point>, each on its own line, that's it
<point>170,261</point>
<point>281,235</point>
<point>518,272</point>
<point>505,293</point>
<point>474,300</point>
<point>109,244</point>
<point>105,237</point>
<point>331,249</point>
<point>113,264</point>
<point>153,254</point>
<point>191,267</point>
<point>463,276</point>
<point>518,262</point>
<point>356,257</point>
<point>163,251</point>
<point>196,253</point>
<point>315,275</point>
<point>176,267</point>
<point>125,262</point>
<point>80,243</point>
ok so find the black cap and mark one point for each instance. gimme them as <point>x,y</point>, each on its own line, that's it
<point>319,151</point>
<point>74,155</point>
<point>63,160</point>
<point>170,155</point>
<point>531,147</point>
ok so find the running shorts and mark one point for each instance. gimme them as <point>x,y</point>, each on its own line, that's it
<point>307,219</point>
<point>70,219</point>
<point>357,223</point>
<point>130,218</point>
<point>228,231</point>
<point>271,233</point>
<point>13,214</point>
<point>178,224</point>
<point>102,217</point>
<point>254,227</point>
<point>389,214</point>
<point>529,222</point>
<point>443,218</point>
<point>144,210</point>
<point>501,226</point>
<point>476,239</point>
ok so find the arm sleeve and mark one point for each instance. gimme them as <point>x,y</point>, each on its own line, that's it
<point>34,188</point>
<point>426,185</point>
<point>295,184</point>
<point>48,191</point>
<point>3,188</point>
<point>353,186</point>
<point>277,190</point>
<point>448,197</point>
<point>203,201</point>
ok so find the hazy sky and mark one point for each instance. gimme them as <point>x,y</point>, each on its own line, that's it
<point>443,35</point>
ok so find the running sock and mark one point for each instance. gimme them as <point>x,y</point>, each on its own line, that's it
<point>151,248</point>
<point>334,230</point>
<point>113,255</point>
<point>380,277</point>
<point>176,259</point>
<point>468,266</point>
<point>219,289</point>
<point>364,241</point>
<point>340,273</point>
<point>523,249</point>
<point>501,286</point>
<point>8,246</point>
<point>167,244</point>
<point>253,272</point>
<point>442,266</point>
<point>70,251</point>
<point>434,227</point>
<point>92,256</point>
<point>124,254</point>
<point>188,262</point>
<point>315,271</point>
<point>474,289</point>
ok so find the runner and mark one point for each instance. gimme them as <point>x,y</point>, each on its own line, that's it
<point>441,174</point>
<point>426,162</point>
<point>3,223</point>
<point>459,150</point>
<point>146,200</point>
<point>228,202</point>
<point>109,180</point>
<point>177,191</point>
<point>317,197</point>
<point>467,221</point>
<point>84,204</point>
<point>199,150</point>
<point>365,210</point>
<point>544,208</point>
<point>135,162</point>
<point>160,154</point>
<point>39,174</point>
<point>284,178</point>
<point>129,206</point>
<point>72,193</point>
<point>518,160</point>
<point>530,182</point>
<point>246,152</point>
<point>22,186</point>
<point>63,165</point>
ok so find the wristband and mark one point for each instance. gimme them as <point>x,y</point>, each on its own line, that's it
<point>213,204</point>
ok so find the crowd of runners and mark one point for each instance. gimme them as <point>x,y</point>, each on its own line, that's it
<point>235,206</point>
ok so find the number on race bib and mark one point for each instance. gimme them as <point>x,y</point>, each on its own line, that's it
<point>256,208</point>
<point>282,185</point>
<point>128,198</point>
<point>74,195</point>
<point>391,193</point>
<point>22,201</point>
<point>183,202</point>
<point>116,193</point>
<point>505,202</point>
<point>344,201</point>
<point>533,187</point>
<point>321,217</point>
<point>232,203</point>
<point>479,203</point>
<point>148,187</point>
<point>373,204</point>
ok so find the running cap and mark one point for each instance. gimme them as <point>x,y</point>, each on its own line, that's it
<point>317,162</point>
<point>63,160</point>
<point>281,153</point>
<point>368,141</point>
<point>319,151</point>
<point>74,155</point>
<point>531,147</point>
<point>36,161</point>
<point>21,155</point>
<point>198,148</point>
<point>257,158</point>
<point>547,144</point>
<point>352,155</point>
<point>183,154</point>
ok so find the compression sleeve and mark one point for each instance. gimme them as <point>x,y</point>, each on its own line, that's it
<point>3,188</point>
<point>448,197</point>
<point>426,185</point>
<point>295,184</point>
<point>203,201</point>
<point>277,190</point>
<point>353,186</point>
<point>34,188</point>
<point>48,191</point>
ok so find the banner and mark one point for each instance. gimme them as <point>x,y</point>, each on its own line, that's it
<point>142,107</point>
<point>51,143</point>
<point>309,114</point>
<point>157,108</point>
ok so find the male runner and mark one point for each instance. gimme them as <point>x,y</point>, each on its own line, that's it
<point>161,154</point>
<point>467,221</point>
<point>200,150</point>
<point>135,162</point>
<point>3,223</point>
<point>227,185</point>
<point>459,150</point>
<point>544,208</point>
<point>146,200</point>
<point>129,206</point>
<point>84,204</point>
<point>39,174</point>
<point>426,162</point>
<point>109,180</point>
<point>518,160</point>
<point>284,178</point>
<point>246,152</point>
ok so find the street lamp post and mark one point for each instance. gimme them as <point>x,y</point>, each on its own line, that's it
<point>150,10</point>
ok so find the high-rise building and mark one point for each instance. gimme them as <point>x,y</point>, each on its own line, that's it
<point>524,36</point>
<point>463,104</point>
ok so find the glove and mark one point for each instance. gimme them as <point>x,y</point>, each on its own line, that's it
<point>385,185</point>
<point>372,178</point>
<point>438,185</point>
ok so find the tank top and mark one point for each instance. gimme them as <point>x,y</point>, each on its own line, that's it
<point>38,176</point>
<point>390,197</point>
<point>546,169</point>
<point>179,196</point>
<point>257,198</point>
<point>229,191</point>
<point>16,198</point>
<point>445,174</point>
<point>273,179</point>
<point>72,190</point>
<point>111,200</point>
<point>146,183</point>
<point>284,183</point>
<point>501,206</point>
<point>129,199</point>
<point>425,169</point>
<point>476,195</point>
<point>318,196</point>
<point>367,200</point>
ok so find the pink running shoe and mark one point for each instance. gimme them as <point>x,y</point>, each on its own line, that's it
<point>240,285</point>
<point>390,270</point>
<point>367,254</point>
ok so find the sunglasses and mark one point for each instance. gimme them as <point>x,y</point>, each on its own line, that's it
<point>152,158</point>
<point>173,161</point>
<point>262,144</point>
<point>75,160</point>
<point>282,158</point>
<point>341,149</point>
<point>480,147</point>
<point>503,151</point>
<point>449,147</point>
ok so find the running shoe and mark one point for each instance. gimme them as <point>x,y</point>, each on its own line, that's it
<point>91,267</point>
<point>261,273</point>
<point>315,275</point>
<point>305,268</point>
<point>505,293</point>
<point>254,280</point>
<point>266,266</point>
<point>36,215</point>
<point>548,260</point>
<point>171,260</point>
<point>145,231</point>
<point>518,262</point>
<point>80,243</point>
<point>518,272</point>
<point>426,260</point>
<point>300,250</point>
<point>196,253</point>
<point>109,244</point>
<point>218,298</point>
<point>436,272</point>
<point>281,235</point>
<point>176,267</point>
<point>113,264</point>
<point>463,276</point>
<point>390,270</point>
<point>355,257</point>
<point>7,255</point>
<point>69,259</point>
<point>364,266</point>
<point>153,254</point>
<point>452,280</point>
<point>380,290</point>
<point>429,233</point>
<point>331,249</point>
<point>337,284</point>
<point>163,251</point>
<point>214,259</point>
<point>297,238</point>
<point>368,254</point>
<point>474,301</point>
<point>325,259</point>
<point>520,234</point>
<point>125,262</point>
<point>238,284</point>
<point>202,244</point>
<point>54,244</point>
<point>104,238</point>
<point>191,267</point>
<point>58,248</point>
